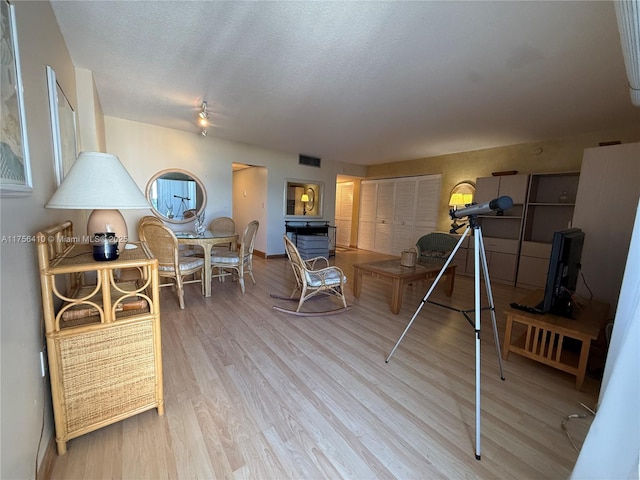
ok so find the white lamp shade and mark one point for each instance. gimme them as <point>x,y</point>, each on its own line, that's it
<point>98,181</point>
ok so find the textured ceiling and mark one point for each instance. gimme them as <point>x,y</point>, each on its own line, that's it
<point>361,82</point>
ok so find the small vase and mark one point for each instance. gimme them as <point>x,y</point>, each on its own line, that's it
<point>200,227</point>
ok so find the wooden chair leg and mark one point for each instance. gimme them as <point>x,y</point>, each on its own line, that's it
<point>241,279</point>
<point>180,290</point>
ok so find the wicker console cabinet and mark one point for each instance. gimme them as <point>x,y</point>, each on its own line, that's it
<point>103,334</point>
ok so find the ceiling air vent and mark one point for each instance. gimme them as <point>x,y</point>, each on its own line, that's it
<point>307,160</point>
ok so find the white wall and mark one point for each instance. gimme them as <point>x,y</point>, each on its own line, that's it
<point>249,202</point>
<point>146,149</point>
<point>612,447</point>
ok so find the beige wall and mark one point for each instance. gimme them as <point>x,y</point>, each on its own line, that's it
<point>90,119</point>
<point>23,393</point>
<point>559,155</point>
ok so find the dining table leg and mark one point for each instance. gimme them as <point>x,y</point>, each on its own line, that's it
<point>207,269</point>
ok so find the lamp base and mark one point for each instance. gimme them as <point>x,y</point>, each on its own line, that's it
<point>103,221</point>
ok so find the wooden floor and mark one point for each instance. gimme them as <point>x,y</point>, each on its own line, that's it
<point>252,393</point>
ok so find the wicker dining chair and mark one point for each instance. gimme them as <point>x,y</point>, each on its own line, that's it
<point>314,276</point>
<point>240,261</point>
<point>223,225</point>
<point>162,244</point>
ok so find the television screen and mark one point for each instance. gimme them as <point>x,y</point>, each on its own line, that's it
<point>564,269</point>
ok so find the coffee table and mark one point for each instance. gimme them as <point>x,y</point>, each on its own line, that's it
<point>400,276</point>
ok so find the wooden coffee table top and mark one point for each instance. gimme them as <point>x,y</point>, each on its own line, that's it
<point>400,276</point>
<point>392,268</point>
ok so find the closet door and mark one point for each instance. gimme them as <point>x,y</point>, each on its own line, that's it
<point>427,205</point>
<point>384,216</point>
<point>367,221</point>
<point>344,213</point>
<point>404,212</point>
<point>395,212</point>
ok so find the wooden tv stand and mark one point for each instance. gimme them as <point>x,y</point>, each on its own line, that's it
<point>542,337</point>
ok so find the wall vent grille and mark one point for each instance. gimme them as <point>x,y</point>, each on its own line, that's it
<point>307,160</point>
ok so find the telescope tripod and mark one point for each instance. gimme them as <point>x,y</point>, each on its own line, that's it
<point>480,260</point>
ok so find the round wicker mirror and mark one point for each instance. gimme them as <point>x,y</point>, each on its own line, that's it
<point>176,196</point>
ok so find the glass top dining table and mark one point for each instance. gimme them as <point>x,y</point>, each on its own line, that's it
<point>207,240</point>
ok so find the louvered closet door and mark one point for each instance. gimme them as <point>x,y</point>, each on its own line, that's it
<point>427,205</point>
<point>344,212</point>
<point>366,223</point>
<point>384,217</point>
<point>405,209</point>
<point>404,213</point>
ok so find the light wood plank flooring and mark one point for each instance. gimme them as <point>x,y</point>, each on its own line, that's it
<point>252,393</point>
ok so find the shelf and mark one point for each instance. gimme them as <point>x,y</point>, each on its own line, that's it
<point>563,204</point>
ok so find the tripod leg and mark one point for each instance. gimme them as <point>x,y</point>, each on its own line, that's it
<point>492,308</point>
<point>477,252</point>
<point>433,285</point>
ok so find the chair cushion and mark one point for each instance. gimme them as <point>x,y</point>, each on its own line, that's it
<point>225,257</point>
<point>435,253</point>
<point>331,278</point>
<point>184,263</point>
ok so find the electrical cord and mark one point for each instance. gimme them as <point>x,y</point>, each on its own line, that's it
<point>584,280</point>
<point>44,390</point>
<point>569,417</point>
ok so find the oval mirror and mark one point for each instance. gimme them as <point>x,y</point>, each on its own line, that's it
<point>176,196</point>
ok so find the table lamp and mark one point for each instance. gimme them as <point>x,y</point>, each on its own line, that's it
<point>456,201</point>
<point>100,182</point>
<point>304,199</point>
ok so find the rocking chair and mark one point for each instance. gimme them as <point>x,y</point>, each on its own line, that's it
<point>311,281</point>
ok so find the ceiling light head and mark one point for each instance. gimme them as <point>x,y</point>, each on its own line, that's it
<point>203,119</point>
<point>203,111</point>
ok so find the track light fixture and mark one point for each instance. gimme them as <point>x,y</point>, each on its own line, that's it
<point>203,119</point>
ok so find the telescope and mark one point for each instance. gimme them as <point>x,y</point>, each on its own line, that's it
<point>475,209</point>
<point>183,198</point>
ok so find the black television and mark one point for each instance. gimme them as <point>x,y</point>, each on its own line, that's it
<point>564,269</point>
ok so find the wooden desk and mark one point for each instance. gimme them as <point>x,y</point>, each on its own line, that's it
<point>544,335</point>
<point>400,276</point>
<point>207,241</point>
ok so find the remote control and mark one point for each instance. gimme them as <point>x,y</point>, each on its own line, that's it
<point>525,308</point>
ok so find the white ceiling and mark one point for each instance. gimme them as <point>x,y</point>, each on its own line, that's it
<point>361,82</point>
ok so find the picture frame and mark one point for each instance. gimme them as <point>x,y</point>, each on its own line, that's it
<point>63,128</point>
<point>15,166</point>
<point>295,207</point>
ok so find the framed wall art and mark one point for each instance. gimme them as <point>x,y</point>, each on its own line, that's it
<point>15,168</point>
<point>63,128</point>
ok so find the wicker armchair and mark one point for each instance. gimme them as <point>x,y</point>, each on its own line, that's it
<point>240,261</point>
<point>311,280</point>
<point>436,246</point>
<point>162,243</point>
